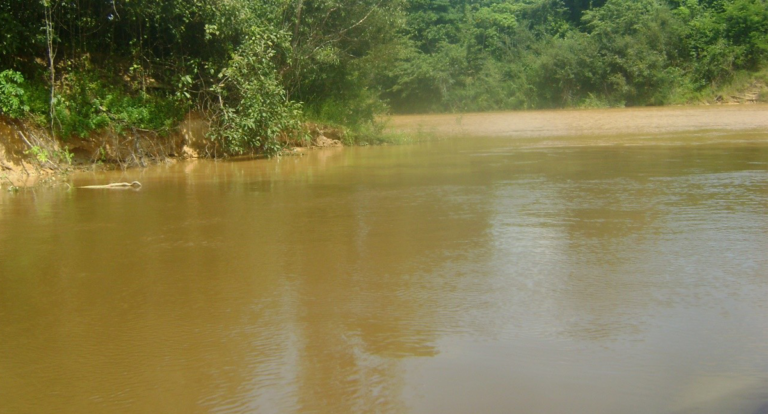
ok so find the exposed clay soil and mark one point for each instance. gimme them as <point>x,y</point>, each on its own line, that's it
<point>20,166</point>
<point>19,142</point>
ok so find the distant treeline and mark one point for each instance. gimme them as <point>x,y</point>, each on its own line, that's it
<point>257,68</point>
<point>505,54</point>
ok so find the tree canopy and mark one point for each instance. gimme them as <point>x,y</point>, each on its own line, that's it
<point>256,68</point>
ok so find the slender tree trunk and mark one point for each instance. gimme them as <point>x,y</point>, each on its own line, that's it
<point>48,6</point>
<point>294,58</point>
<point>297,26</point>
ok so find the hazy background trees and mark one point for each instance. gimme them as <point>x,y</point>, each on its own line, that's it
<point>508,54</point>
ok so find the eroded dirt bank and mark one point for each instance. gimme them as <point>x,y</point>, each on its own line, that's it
<point>28,154</point>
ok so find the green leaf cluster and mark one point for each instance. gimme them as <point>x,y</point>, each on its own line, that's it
<point>12,95</point>
<point>257,112</point>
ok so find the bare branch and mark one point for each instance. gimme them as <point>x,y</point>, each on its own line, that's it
<point>361,20</point>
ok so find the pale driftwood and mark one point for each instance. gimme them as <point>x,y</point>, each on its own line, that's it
<point>134,184</point>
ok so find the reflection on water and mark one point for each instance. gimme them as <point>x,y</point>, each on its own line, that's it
<point>464,275</point>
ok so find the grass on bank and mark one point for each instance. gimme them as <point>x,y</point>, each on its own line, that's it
<point>742,87</point>
<point>745,86</point>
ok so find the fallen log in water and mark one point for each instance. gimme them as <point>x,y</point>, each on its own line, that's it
<point>134,184</point>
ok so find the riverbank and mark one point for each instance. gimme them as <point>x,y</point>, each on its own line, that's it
<point>29,157</point>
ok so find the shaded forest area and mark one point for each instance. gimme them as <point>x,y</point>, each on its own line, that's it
<point>258,69</point>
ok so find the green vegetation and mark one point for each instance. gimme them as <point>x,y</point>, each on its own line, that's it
<point>511,54</point>
<point>257,69</point>
<point>12,99</point>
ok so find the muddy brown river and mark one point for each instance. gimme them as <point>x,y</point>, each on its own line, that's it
<point>595,262</point>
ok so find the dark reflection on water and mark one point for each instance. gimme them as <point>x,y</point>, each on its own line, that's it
<point>477,275</point>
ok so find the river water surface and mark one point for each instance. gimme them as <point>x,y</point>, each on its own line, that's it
<point>522,263</point>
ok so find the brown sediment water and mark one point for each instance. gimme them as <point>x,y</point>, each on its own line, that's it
<point>489,272</point>
<point>596,123</point>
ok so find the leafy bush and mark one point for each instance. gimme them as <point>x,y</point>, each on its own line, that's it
<point>638,43</point>
<point>746,25</point>
<point>12,95</point>
<point>254,110</point>
<point>90,101</point>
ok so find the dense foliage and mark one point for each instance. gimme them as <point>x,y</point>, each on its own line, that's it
<point>256,68</point>
<point>502,54</point>
<point>253,67</point>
